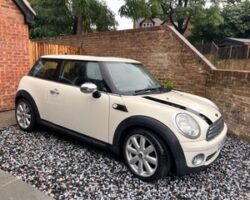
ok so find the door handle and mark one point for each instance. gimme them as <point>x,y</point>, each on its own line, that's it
<point>55,91</point>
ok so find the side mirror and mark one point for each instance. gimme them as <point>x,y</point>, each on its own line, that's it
<point>90,88</point>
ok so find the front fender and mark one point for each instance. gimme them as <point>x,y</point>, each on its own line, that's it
<point>162,131</point>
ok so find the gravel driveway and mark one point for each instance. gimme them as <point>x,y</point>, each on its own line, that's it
<point>68,169</point>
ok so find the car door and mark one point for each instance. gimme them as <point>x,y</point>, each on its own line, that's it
<point>44,77</point>
<point>70,108</point>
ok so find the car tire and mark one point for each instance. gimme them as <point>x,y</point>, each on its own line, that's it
<point>25,115</point>
<point>145,155</point>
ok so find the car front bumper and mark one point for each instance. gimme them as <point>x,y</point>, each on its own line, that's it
<point>210,149</point>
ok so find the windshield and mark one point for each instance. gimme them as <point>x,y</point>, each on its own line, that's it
<point>131,78</point>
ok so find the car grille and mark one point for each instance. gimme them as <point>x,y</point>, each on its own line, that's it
<point>215,128</point>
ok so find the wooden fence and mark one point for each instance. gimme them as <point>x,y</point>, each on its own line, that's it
<point>38,49</point>
<point>233,57</point>
<point>222,53</point>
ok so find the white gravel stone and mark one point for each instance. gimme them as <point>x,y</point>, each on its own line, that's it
<point>68,169</point>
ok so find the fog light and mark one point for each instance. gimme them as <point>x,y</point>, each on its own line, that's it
<point>197,160</point>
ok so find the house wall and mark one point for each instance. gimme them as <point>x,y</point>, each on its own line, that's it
<point>14,52</point>
<point>137,23</point>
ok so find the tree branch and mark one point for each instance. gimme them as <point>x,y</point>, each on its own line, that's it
<point>186,23</point>
<point>171,16</point>
<point>185,3</point>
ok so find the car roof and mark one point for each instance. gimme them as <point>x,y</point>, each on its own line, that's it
<point>90,58</point>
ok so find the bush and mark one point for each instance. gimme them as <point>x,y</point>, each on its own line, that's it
<point>168,84</point>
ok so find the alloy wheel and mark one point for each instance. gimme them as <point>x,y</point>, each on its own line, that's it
<point>23,115</point>
<point>141,155</point>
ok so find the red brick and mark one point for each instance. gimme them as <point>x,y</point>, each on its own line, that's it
<point>14,40</point>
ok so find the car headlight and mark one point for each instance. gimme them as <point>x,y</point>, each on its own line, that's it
<point>187,125</point>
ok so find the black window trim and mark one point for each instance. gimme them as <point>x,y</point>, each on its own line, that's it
<point>111,89</point>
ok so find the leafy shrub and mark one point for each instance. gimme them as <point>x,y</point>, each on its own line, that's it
<point>168,84</point>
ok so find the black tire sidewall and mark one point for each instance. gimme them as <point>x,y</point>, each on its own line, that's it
<point>32,113</point>
<point>164,160</point>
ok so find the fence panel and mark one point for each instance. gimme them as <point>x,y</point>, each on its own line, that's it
<point>232,57</point>
<point>233,52</point>
<point>38,49</point>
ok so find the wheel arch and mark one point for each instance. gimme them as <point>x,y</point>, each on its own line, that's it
<point>23,94</point>
<point>168,138</point>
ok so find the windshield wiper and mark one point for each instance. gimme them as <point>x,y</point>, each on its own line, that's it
<point>147,90</point>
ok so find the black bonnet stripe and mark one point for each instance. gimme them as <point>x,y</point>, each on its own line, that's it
<point>180,107</point>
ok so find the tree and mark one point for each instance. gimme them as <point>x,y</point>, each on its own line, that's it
<point>236,20</point>
<point>222,18</point>
<point>206,25</point>
<point>135,9</point>
<point>89,13</point>
<point>179,12</point>
<point>227,2</point>
<point>60,17</point>
<point>53,18</point>
<point>214,23</point>
<point>105,20</point>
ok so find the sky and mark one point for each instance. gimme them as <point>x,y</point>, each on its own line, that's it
<point>124,23</point>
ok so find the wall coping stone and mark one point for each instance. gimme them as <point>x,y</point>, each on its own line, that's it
<point>186,42</point>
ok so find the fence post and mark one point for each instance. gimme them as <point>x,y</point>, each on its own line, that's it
<point>248,50</point>
<point>230,52</point>
<point>202,46</point>
<point>216,52</point>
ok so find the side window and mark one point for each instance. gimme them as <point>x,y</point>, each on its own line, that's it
<point>45,69</point>
<point>93,71</point>
<point>73,73</point>
<point>80,72</point>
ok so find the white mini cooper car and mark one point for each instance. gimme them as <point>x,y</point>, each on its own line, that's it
<point>117,104</point>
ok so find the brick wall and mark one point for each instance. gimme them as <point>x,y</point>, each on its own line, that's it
<point>230,90</point>
<point>14,52</point>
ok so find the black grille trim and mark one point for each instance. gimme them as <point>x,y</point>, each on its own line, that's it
<point>210,156</point>
<point>215,129</point>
